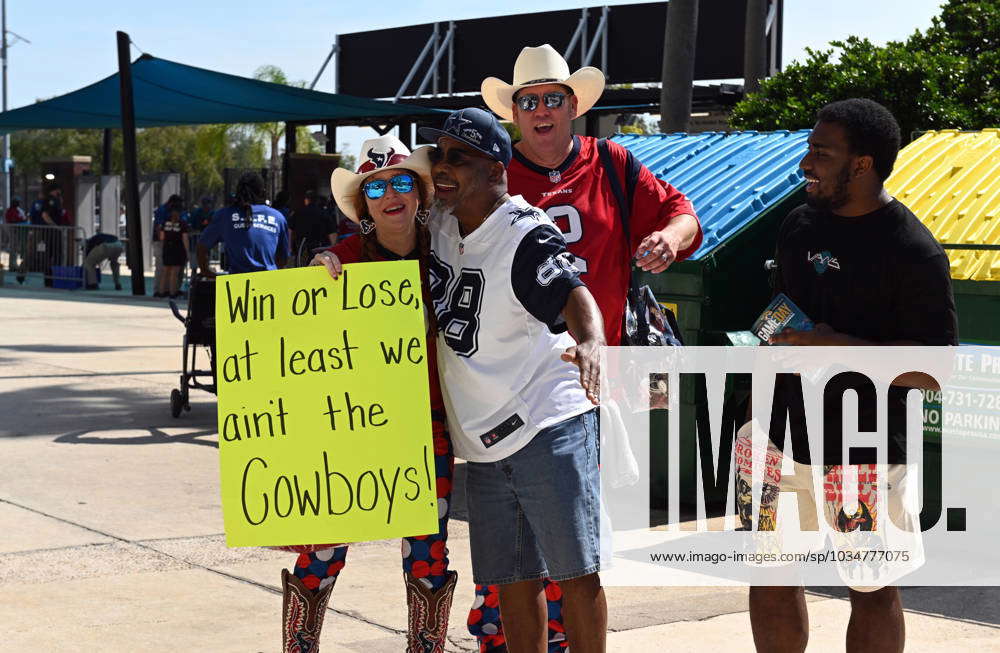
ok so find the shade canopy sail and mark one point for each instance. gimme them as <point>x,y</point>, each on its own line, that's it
<point>168,93</point>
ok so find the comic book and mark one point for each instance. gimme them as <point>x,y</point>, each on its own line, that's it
<point>781,314</point>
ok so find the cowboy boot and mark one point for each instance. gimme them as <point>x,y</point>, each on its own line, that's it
<point>428,622</point>
<point>302,614</point>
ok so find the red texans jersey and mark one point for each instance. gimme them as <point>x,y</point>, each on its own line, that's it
<point>577,196</point>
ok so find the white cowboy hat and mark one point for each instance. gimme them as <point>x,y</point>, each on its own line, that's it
<point>377,154</point>
<point>543,65</point>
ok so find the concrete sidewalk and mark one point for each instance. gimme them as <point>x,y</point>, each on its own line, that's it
<point>112,530</point>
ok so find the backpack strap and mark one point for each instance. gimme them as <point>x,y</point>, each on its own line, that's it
<point>624,208</point>
<point>623,200</point>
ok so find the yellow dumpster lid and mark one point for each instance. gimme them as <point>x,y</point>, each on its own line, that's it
<point>951,180</point>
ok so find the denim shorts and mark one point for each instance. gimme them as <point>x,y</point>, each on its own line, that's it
<point>536,514</point>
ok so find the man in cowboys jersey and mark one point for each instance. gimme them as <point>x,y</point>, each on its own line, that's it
<point>562,173</point>
<point>505,291</point>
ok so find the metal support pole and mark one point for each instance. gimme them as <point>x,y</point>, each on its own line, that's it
<point>132,216</point>
<point>6,137</point>
<point>406,133</point>
<point>336,64</point>
<point>291,143</point>
<point>451,60</point>
<point>678,65</point>
<point>583,40</point>
<point>414,68</point>
<point>106,153</point>
<point>290,146</point>
<point>437,57</point>
<point>597,37</point>
<point>434,63</point>
<point>331,138</point>
<point>333,50</point>
<point>604,40</point>
<point>773,37</point>
<point>581,26</point>
<point>755,45</point>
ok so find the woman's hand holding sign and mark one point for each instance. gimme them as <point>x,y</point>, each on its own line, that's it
<point>330,261</point>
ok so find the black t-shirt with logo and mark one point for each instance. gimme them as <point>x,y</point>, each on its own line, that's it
<point>172,232</point>
<point>880,277</point>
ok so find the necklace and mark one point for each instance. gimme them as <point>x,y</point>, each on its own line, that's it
<point>496,205</point>
<point>503,198</point>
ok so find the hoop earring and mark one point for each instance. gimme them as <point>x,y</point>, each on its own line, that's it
<point>423,215</point>
<point>367,226</point>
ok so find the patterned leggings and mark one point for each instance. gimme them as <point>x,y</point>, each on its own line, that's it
<point>424,556</point>
<point>484,619</point>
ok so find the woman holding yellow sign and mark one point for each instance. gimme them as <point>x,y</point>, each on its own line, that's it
<point>388,197</point>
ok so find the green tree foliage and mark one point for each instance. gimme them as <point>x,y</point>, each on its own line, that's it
<point>199,152</point>
<point>348,162</point>
<point>29,148</point>
<point>274,132</point>
<point>947,77</point>
<point>512,130</point>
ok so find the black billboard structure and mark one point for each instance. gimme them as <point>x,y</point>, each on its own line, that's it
<point>440,64</point>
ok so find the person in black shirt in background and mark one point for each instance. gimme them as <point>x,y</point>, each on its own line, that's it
<point>867,272</point>
<point>311,227</point>
<point>174,236</point>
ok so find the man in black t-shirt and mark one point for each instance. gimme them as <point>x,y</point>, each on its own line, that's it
<point>867,272</point>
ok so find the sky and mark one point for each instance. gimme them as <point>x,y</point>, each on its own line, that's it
<point>73,43</point>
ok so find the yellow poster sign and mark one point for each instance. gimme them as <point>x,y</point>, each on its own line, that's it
<point>324,406</point>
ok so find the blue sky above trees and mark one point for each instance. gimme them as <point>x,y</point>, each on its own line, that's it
<point>73,43</point>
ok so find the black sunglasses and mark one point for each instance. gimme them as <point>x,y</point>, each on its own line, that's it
<point>529,101</point>
<point>455,156</point>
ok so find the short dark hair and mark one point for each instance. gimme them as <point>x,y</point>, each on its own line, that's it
<point>871,130</point>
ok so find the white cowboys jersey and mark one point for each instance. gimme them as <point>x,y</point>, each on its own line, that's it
<point>498,295</point>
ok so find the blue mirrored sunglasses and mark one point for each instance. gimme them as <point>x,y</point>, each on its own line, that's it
<point>529,101</point>
<point>376,188</point>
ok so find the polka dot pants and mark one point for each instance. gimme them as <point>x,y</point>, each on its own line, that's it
<point>484,619</point>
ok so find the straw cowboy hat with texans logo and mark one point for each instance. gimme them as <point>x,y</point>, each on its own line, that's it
<point>538,66</point>
<point>378,154</point>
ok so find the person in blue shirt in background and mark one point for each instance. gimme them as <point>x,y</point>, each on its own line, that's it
<point>35,212</point>
<point>253,235</point>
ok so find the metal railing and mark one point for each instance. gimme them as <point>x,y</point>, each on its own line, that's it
<point>47,250</point>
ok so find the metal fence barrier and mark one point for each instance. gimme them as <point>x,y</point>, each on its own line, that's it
<point>47,250</point>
